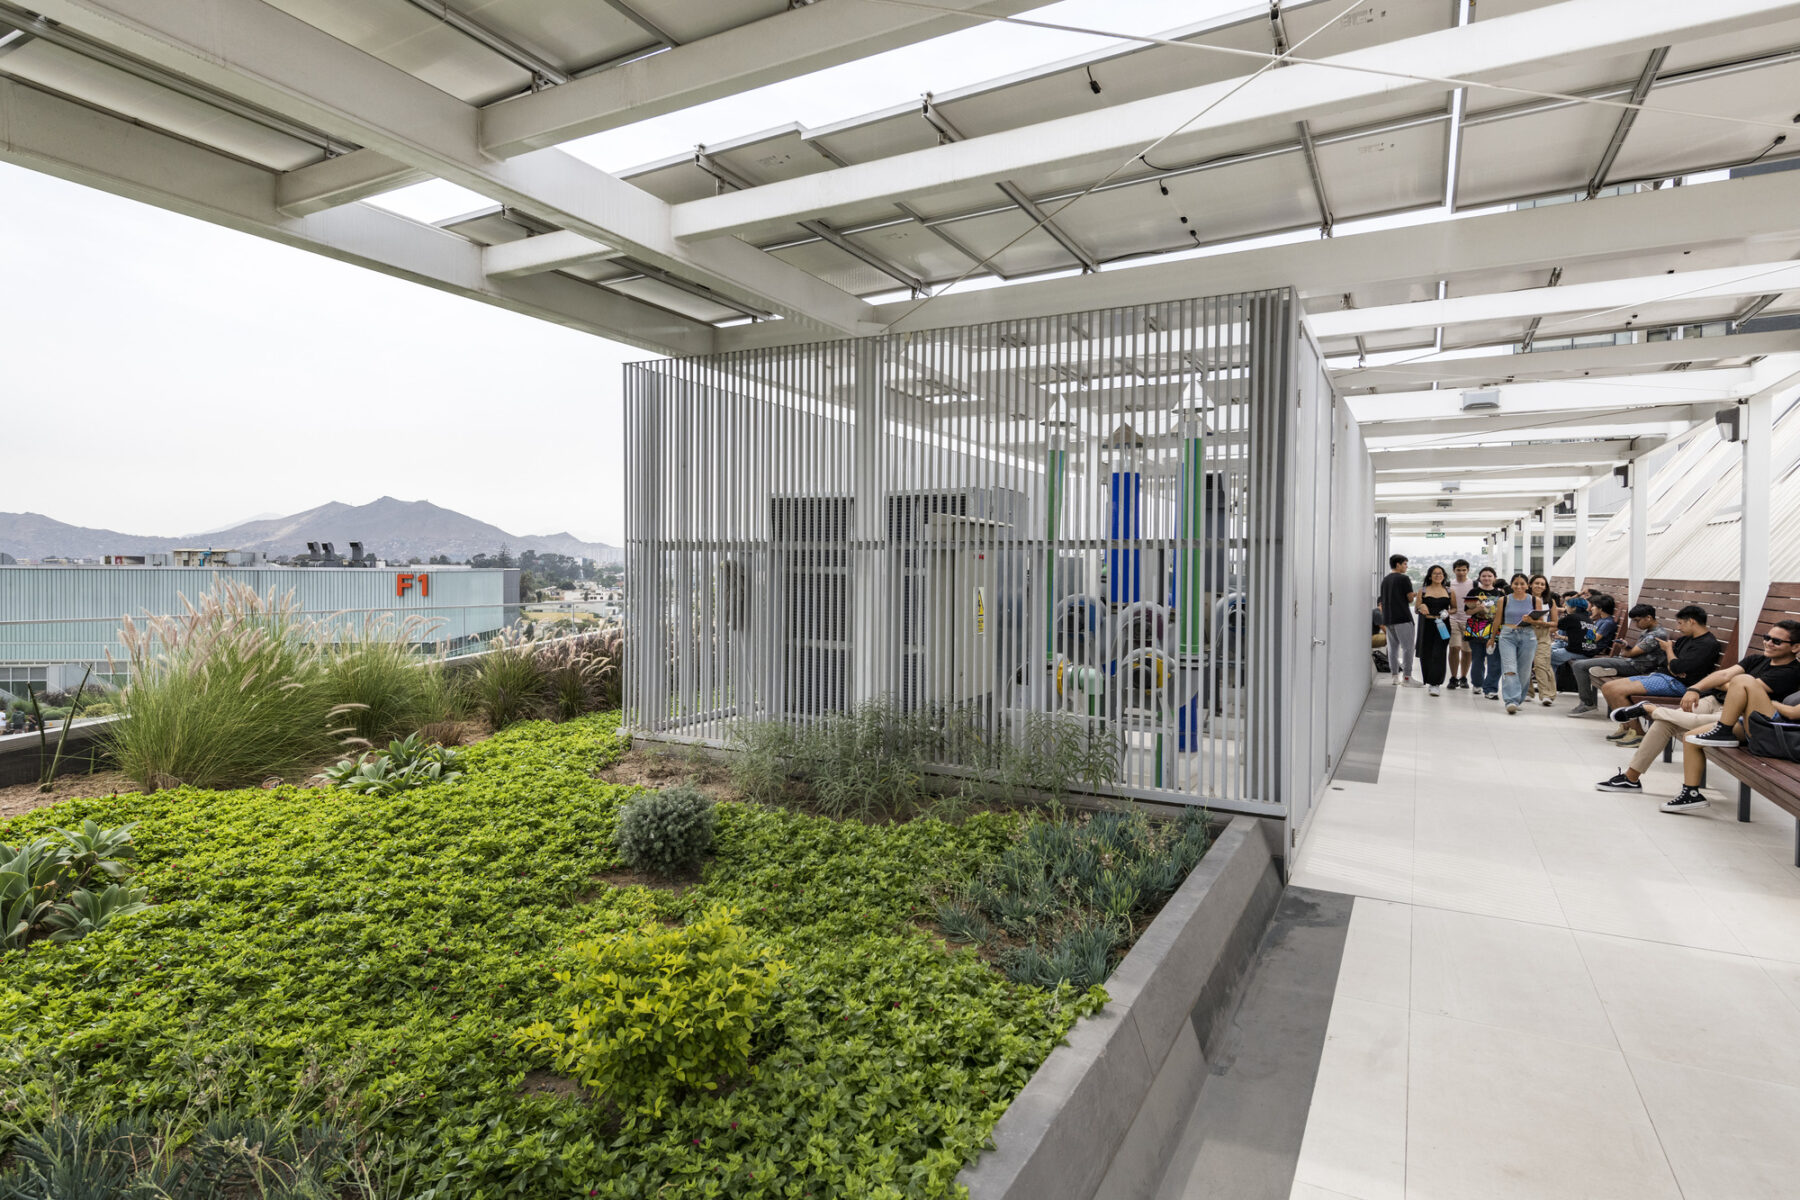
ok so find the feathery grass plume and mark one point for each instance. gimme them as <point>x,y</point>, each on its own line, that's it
<point>224,693</point>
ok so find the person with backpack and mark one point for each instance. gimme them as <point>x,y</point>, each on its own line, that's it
<point>1481,629</point>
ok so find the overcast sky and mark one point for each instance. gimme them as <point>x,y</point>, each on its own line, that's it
<point>165,376</point>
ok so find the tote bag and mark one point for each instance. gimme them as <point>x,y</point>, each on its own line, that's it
<point>1774,739</point>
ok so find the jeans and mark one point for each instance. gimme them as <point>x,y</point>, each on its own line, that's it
<point>1517,648</point>
<point>1484,666</point>
<point>1585,684</point>
<point>1562,654</point>
<point>1400,650</point>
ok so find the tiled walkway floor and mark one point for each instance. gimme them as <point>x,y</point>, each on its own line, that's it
<point>1550,991</point>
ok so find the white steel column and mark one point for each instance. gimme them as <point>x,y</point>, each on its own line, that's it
<point>1549,512</point>
<point>1755,418</point>
<point>1581,536</point>
<point>1640,528</point>
<point>874,638</point>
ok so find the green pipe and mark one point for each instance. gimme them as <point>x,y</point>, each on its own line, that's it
<point>1057,468</point>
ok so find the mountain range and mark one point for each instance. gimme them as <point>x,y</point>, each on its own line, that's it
<point>388,528</point>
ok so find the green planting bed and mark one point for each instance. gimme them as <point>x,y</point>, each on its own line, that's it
<point>365,962</point>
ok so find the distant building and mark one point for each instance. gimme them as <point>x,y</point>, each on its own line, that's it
<point>59,619</point>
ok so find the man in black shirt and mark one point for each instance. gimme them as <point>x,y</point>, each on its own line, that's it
<point>1397,617</point>
<point>1764,681</point>
<point>1688,659</point>
<point>1776,673</point>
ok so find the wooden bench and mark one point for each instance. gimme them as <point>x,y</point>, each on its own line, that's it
<point>1774,779</point>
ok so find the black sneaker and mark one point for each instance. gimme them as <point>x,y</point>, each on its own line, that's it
<point>1619,783</point>
<point>1631,712</point>
<point>1689,799</point>
<point>1718,735</point>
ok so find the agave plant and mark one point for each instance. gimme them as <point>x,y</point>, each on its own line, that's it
<point>85,912</point>
<point>44,884</point>
<point>406,764</point>
<point>29,879</point>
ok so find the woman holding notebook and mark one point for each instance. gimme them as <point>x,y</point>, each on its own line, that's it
<point>1518,616</point>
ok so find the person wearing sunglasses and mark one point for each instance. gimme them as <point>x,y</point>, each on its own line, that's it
<point>1756,692</point>
<point>1775,672</point>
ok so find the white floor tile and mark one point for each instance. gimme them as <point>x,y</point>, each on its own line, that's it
<point>1727,1138</point>
<point>1377,962</point>
<point>1719,1012</point>
<point>1493,1113</point>
<point>1512,974</point>
<point>1355,1139</point>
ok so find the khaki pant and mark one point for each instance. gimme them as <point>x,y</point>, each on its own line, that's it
<point>1543,675</point>
<point>1669,723</point>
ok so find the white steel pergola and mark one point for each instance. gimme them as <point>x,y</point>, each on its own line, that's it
<point>1579,205</point>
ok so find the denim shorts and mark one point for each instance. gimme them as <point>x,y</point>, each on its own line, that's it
<point>1658,683</point>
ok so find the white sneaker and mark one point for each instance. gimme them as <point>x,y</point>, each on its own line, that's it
<point>1433,690</point>
<point>1512,708</point>
<point>1545,703</point>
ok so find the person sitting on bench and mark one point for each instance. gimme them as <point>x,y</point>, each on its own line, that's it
<point>1690,658</point>
<point>1748,693</point>
<point>1643,656</point>
<point>1778,672</point>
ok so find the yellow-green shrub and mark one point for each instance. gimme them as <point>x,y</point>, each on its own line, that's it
<point>658,1011</point>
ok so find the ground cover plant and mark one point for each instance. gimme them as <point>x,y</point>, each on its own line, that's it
<point>366,964</point>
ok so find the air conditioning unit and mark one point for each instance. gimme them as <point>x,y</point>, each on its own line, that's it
<point>1485,400</point>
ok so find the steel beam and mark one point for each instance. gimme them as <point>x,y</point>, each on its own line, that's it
<point>1326,220</point>
<point>1622,130</point>
<point>1584,533</point>
<point>1550,423</point>
<point>265,57</point>
<point>83,145</point>
<point>1547,365</point>
<point>546,252</point>
<point>1719,283</point>
<point>949,133</point>
<point>1457,458</point>
<point>1756,479</point>
<point>643,22</point>
<point>1466,507</point>
<point>1334,88</point>
<point>1761,206</point>
<point>545,73</point>
<point>1564,476</point>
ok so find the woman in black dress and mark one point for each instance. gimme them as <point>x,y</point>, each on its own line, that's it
<point>1434,604</point>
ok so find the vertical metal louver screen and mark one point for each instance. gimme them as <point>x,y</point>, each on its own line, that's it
<point>1081,514</point>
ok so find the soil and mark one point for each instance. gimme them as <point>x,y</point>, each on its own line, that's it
<point>660,766</point>
<point>23,797</point>
<point>549,1083</point>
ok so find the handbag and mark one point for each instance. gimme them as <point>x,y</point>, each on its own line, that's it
<point>1774,739</point>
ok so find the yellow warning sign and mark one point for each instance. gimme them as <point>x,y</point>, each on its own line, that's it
<point>980,610</point>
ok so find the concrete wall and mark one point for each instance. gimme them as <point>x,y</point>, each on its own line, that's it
<point>1100,1118</point>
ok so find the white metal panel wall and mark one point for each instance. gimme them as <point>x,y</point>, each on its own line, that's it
<point>1084,514</point>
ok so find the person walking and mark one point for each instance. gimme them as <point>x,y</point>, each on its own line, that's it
<point>1481,629</point>
<point>1460,583</point>
<point>1518,641</point>
<point>1543,675</point>
<point>1433,605</point>
<point>1397,617</point>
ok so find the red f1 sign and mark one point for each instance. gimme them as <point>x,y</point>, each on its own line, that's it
<point>403,583</point>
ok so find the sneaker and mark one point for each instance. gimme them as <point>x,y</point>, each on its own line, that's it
<point>1718,735</point>
<point>1432,690</point>
<point>1581,710</point>
<point>1619,783</point>
<point>1511,709</point>
<point>1689,799</point>
<point>1631,712</point>
<point>1631,738</point>
<point>1493,695</point>
<point>1547,701</point>
<point>1621,731</point>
